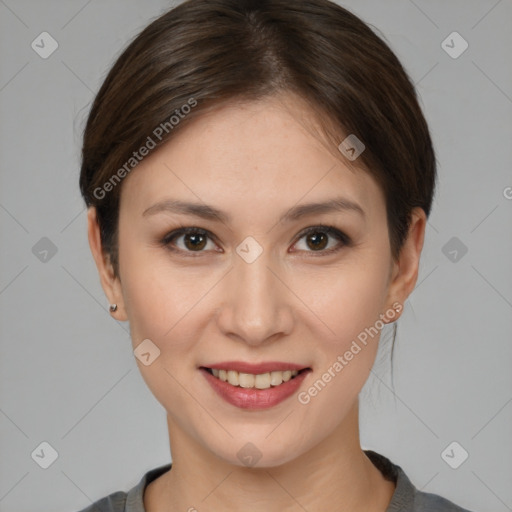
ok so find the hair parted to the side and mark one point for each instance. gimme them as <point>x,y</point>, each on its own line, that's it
<point>214,51</point>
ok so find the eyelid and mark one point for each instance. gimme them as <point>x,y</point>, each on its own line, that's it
<point>331,230</point>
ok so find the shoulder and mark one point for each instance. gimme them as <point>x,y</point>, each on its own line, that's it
<point>407,498</point>
<point>427,502</point>
<point>115,502</point>
<point>131,501</point>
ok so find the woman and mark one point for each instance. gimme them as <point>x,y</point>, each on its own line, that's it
<point>258,176</point>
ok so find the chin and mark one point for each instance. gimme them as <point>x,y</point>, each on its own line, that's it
<point>258,451</point>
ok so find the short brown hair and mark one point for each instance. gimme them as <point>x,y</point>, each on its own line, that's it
<point>212,51</point>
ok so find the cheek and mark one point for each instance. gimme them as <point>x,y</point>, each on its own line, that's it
<point>344,300</point>
<point>158,295</point>
<point>347,304</point>
<point>161,303</point>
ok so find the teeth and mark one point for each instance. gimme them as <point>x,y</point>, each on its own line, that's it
<point>233,378</point>
<point>260,381</point>
<point>246,380</point>
<point>276,378</point>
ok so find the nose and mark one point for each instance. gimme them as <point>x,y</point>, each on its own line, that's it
<point>257,305</point>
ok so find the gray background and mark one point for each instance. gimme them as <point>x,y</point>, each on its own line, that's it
<point>68,375</point>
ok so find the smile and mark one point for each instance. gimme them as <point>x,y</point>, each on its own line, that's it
<point>255,390</point>
<point>249,380</point>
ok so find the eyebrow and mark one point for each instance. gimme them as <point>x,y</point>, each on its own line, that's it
<point>208,212</point>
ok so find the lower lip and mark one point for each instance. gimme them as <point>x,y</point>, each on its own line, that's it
<point>253,398</point>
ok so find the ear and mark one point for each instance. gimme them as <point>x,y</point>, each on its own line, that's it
<point>404,272</point>
<point>110,283</point>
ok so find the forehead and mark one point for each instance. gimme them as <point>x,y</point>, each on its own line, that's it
<point>248,154</point>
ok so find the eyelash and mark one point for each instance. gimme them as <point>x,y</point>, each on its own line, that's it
<point>342,237</point>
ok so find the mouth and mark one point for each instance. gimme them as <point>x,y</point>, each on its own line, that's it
<point>266,380</point>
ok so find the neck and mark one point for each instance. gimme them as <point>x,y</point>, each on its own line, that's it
<point>334,475</point>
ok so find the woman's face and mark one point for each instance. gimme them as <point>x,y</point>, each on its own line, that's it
<point>253,286</point>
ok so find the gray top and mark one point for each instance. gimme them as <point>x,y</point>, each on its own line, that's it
<point>406,497</point>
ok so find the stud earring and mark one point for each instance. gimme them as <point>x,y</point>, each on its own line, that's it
<point>113,307</point>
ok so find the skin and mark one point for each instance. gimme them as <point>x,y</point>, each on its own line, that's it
<point>294,303</point>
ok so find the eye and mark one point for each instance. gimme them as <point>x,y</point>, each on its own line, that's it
<point>194,240</point>
<point>317,239</point>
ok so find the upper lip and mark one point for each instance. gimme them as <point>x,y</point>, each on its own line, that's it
<point>255,368</point>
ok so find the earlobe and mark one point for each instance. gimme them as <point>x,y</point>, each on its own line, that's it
<point>405,270</point>
<point>109,281</point>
